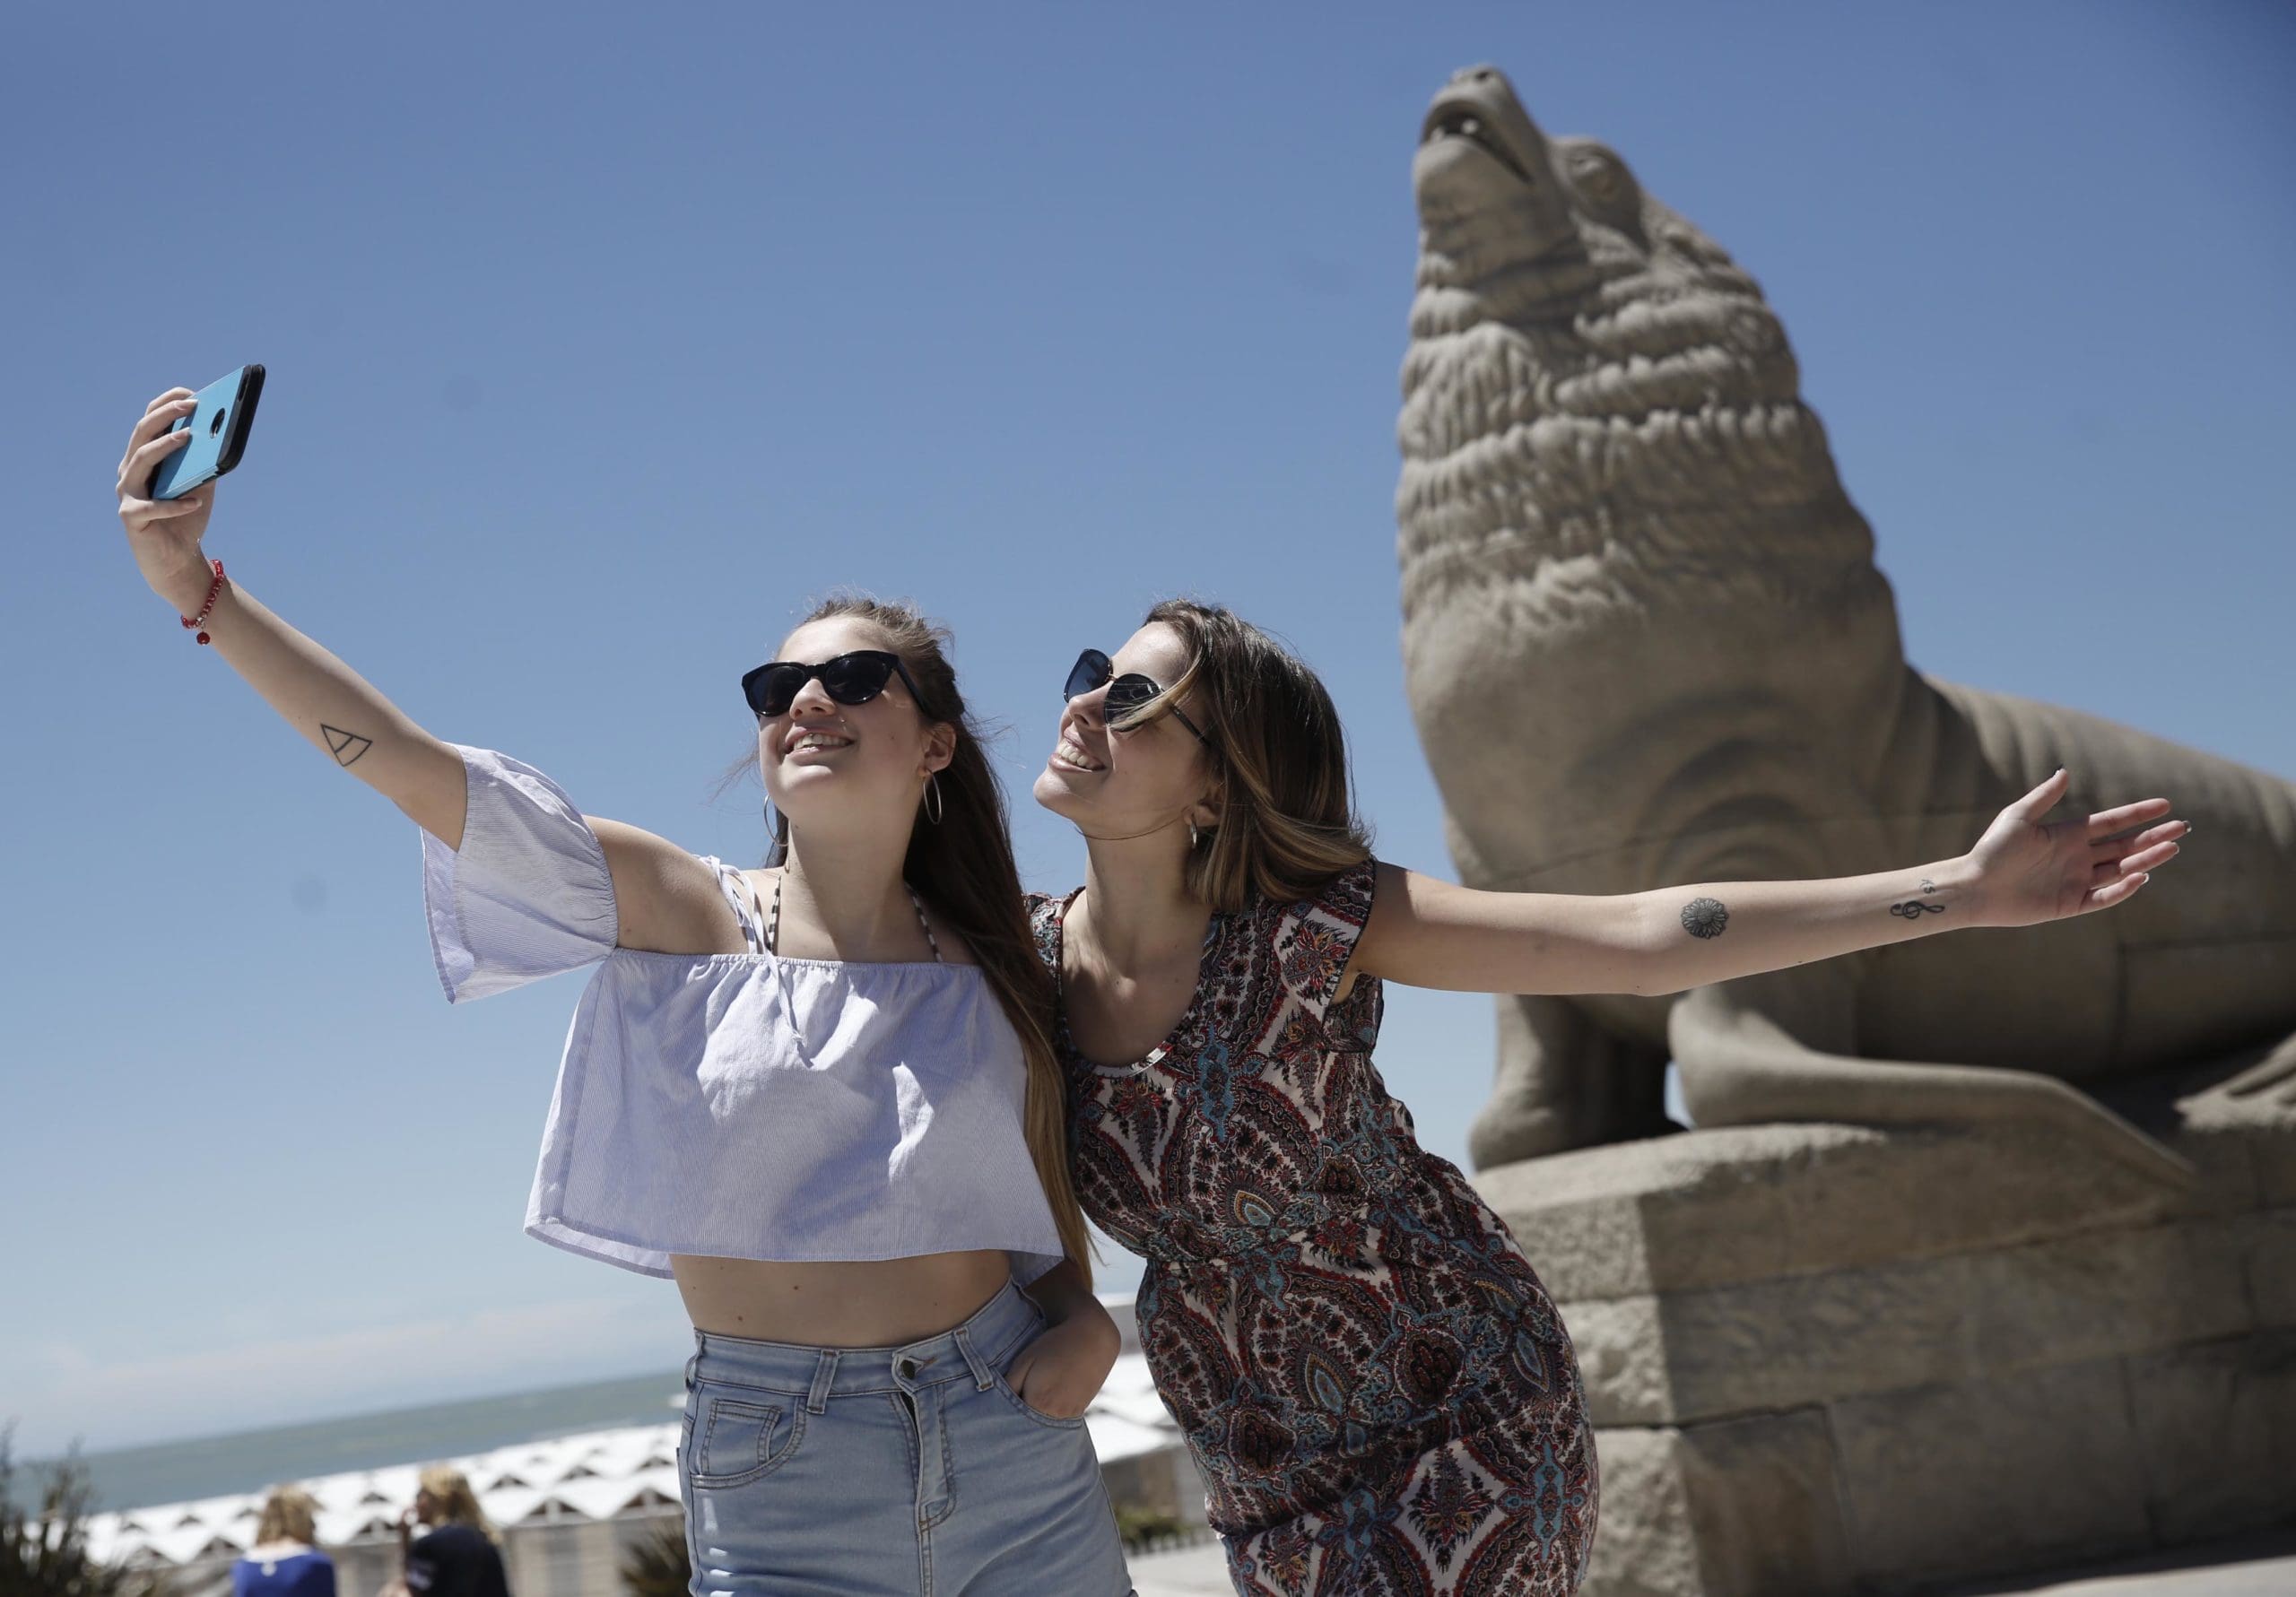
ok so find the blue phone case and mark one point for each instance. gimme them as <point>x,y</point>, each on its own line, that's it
<point>219,434</point>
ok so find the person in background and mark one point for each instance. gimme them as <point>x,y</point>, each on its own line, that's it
<point>459,1555</point>
<point>285,1560</point>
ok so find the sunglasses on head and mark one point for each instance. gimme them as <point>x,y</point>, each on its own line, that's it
<point>1127,693</point>
<point>854,678</point>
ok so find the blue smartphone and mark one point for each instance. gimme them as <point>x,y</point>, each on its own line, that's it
<point>219,426</point>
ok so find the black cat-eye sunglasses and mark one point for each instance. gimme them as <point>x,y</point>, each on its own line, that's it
<point>1127,693</point>
<point>856,678</point>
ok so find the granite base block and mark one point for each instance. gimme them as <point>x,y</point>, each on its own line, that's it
<point>1828,1359</point>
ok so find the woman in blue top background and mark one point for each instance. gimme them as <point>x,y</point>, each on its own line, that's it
<point>285,1560</point>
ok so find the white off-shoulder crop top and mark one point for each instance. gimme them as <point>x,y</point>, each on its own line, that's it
<point>741,1105</point>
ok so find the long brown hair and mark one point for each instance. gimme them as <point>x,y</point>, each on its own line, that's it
<point>1286,803</point>
<point>962,866</point>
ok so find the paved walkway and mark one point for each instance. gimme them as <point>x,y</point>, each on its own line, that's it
<point>2255,1565</point>
<point>2273,1578</point>
<point>2252,1569</point>
<point>1191,1572</point>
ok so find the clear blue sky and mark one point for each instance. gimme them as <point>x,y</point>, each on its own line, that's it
<point>601,339</point>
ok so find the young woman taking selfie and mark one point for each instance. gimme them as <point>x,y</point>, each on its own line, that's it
<point>820,1097</point>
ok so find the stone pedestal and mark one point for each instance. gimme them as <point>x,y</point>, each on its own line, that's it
<point>1827,1359</point>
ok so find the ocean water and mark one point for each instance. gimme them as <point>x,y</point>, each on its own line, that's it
<point>251,1461</point>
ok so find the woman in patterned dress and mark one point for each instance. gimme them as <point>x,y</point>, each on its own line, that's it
<point>1377,1389</point>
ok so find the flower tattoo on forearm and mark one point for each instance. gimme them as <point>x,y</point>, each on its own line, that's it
<point>1705,917</point>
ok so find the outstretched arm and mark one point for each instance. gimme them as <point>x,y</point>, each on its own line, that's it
<point>335,709</point>
<point>665,898</point>
<point>1430,933</point>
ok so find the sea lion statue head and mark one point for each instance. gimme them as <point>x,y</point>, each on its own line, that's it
<point>1592,379</point>
<point>1620,533</point>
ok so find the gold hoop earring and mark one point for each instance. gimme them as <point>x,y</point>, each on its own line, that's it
<point>1193,840</point>
<point>933,805</point>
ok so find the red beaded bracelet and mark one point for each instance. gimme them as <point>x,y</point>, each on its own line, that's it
<point>214,591</point>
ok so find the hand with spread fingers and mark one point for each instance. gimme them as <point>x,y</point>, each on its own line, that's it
<point>2029,870</point>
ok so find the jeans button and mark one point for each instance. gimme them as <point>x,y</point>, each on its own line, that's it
<point>906,1368</point>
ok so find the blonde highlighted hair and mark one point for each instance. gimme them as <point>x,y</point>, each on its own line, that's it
<point>289,1514</point>
<point>457,1505</point>
<point>1286,804</point>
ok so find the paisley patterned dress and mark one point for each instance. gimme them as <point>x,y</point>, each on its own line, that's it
<point>1375,1386</point>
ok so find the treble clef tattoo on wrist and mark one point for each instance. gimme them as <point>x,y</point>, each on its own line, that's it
<point>1913,909</point>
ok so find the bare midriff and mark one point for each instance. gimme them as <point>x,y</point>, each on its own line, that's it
<point>865,1304</point>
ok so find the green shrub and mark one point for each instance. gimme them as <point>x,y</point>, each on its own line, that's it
<point>44,1548</point>
<point>1143,1527</point>
<point>656,1565</point>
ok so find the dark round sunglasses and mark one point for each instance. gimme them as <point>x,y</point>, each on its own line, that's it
<point>849,679</point>
<point>1127,693</point>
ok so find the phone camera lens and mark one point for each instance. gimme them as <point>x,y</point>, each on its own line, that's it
<point>215,426</point>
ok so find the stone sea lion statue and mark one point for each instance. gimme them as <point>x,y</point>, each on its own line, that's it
<point>1646,644</point>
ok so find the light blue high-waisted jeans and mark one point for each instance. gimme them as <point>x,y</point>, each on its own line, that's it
<point>875,1471</point>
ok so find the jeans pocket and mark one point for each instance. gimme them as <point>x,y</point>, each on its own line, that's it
<point>735,1443</point>
<point>1049,1421</point>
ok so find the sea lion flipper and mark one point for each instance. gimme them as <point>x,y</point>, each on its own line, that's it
<point>1741,1064</point>
<point>2273,1075</point>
